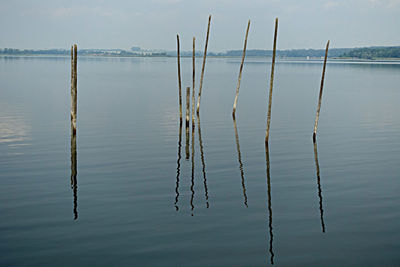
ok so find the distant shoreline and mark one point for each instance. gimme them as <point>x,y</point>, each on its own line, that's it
<point>282,59</point>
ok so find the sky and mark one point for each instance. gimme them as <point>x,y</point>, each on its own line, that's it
<point>153,24</point>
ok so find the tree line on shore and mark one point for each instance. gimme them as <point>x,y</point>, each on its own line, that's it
<point>358,53</point>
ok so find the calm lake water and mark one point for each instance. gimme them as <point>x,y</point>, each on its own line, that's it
<point>144,195</point>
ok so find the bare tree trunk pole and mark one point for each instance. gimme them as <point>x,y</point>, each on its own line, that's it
<point>240,71</point>
<point>320,93</point>
<point>187,106</point>
<point>74,83</point>
<point>193,87</point>
<point>179,76</point>
<point>204,65</point>
<point>271,82</point>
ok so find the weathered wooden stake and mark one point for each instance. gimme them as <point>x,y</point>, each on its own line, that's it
<point>204,65</point>
<point>179,76</point>
<point>74,84</point>
<point>271,82</point>
<point>320,93</point>
<point>240,71</point>
<point>193,87</point>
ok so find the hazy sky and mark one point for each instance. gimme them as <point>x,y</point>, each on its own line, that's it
<point>154,23</point>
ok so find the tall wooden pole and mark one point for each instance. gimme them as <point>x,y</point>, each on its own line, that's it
<point>74,85</point>
<point>179,76</point>
<point>193,87</point>
<point>271,82</point>
<point>204,65</point>
<point>240,70</point>
<point>320,93</point>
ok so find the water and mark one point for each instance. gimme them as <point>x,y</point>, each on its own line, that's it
<point>145,196</point>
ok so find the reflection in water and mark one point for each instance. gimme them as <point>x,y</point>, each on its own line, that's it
<point>74,172</point>
<point>187,142</point>
<point>321,210</point>
<point>178,168</point>
<point>192,185</point>
<point>202,161</point>
<point>271,236</point>
<point>240,162</point>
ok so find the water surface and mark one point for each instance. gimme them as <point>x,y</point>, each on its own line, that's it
<point>143,193</point>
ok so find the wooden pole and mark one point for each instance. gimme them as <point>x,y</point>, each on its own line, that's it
<point>179,76</point>
<point>204,65</point>
<point>321,210</point>
<point>193,87</point>
<point>240,70</point>
<point>74,84</point>
<point>240,162</point>
<point>271,82</point>
<point>320,93</point>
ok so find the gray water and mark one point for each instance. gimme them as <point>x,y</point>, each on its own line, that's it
<point>144,195</point>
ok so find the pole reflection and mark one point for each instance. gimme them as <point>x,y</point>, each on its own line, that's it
<point>240,162</point>
<point>178,168</point>
<point>192,185</point>
<point>271,236</point>
<point>202,161</point>
<point>74,172</point>
<point>321,210</point>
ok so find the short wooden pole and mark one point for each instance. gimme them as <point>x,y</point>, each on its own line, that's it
<point>179,76</point>
<point>320,93</point>
<point>271,82</point>
<point>204,65</point>
<point>74,85</point>
<point>240,70</point>
<point>193,87</point>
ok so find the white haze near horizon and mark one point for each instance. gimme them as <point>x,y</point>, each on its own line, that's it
<point>153,24</point>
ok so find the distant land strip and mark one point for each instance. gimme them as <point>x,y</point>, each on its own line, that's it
<point>370,53</point>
